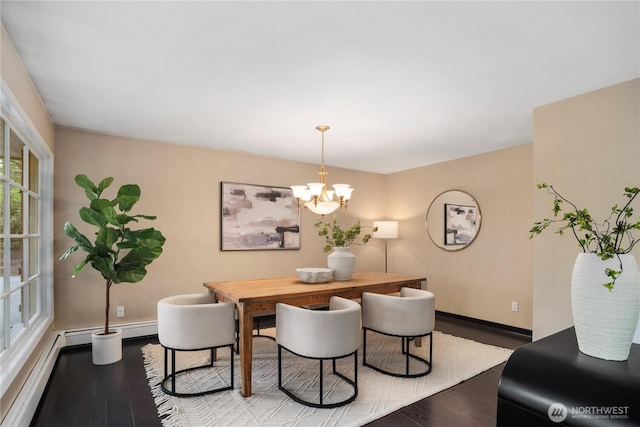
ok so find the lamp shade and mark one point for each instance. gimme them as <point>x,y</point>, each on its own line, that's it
<point>386,229</point>
<point>322,208</point>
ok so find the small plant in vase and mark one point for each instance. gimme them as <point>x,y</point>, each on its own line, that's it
<point>341,260</point>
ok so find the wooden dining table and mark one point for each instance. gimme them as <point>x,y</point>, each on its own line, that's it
<point>261,295</point>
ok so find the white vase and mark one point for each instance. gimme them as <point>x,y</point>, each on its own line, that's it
<point>343,263</point>
<point>106,349</point>
<point>605,322</point>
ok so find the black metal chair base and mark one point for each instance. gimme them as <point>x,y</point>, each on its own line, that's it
<point>255,335</point>
<point>353,383</point>
<point>405,351</point>
<point>172,377</point>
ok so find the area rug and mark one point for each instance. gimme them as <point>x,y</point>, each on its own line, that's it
<point>454,360</point>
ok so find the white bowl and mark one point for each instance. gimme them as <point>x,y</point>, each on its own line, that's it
<point>314,275</point>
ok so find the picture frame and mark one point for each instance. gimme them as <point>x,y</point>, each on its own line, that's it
<point>460,223</point>
<point>258,217</point>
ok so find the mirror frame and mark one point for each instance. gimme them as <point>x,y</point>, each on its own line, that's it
<point>441,245</point>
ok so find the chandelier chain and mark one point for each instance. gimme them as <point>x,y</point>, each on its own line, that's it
<point>322,163</point>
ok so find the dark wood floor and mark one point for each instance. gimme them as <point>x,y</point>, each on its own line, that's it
<point>471,403</point>
<point>82,394</point>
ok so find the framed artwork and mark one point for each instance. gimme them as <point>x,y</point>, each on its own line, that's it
<point>459,224</point>
<point>258,217</point>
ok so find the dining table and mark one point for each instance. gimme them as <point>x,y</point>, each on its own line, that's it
<point>257,296</point>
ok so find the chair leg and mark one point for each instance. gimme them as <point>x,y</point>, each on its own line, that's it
<point>173,370</point>
<point>430,351</point>
<point>364,346</point>
<point>279,366</point>
<point>405,349</point>
<point>237,349</point>
<point>166,373</point>
<point>174,374</point>
<point>353,383</point>
<point>405,346</point>
<point>355,370</point>
<point>321,376</point>
<point>258,334</point>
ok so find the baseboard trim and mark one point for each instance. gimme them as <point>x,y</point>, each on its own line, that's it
<point>489,325</point>
<point>26,403</point>
<point>129,330</point>
<point>24,407</point>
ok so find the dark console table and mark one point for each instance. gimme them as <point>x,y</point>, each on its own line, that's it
<point>552,372</point>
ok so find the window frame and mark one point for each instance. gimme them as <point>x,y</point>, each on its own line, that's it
<point>13,359</point>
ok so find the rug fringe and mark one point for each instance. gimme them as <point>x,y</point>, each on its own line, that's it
<point>166,410</point>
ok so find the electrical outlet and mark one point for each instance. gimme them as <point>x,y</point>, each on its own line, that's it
<point>514,306</point>
<point>120,311</point>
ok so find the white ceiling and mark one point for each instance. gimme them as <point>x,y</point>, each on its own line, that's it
<point>401,84</point>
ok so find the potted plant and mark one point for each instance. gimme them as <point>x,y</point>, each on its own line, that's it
<point>341,260</point>
<point>605,283</point>
<point>119,253</point>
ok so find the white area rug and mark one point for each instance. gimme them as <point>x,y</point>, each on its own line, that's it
<point>455,360</point>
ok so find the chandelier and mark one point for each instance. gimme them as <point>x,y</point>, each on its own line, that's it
<point>315,196</point>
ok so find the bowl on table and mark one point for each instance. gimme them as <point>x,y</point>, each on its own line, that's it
<point>314,275</point>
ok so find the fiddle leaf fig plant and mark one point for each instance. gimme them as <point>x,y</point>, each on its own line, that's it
<point>335,236</point>
<point>119,253</point>
<point>612,238</point>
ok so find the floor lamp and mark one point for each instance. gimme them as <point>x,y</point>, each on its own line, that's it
<point>386,230</point>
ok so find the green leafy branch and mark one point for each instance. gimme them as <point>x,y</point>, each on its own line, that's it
<point>612,238</point>
<point>335,236</point>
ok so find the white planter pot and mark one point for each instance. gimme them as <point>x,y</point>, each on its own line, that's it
<point>605,322</point>
<point>343,263</point>
<point>106,349</point>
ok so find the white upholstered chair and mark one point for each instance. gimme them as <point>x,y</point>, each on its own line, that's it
<point>190,323</point>
<point>323,335</point>
<point>407,316</point>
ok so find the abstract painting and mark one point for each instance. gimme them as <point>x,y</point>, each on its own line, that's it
<point>459,224</point>
<point>255,217</point>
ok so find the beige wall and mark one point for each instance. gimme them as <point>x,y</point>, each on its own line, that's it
<point>181,185</point>
<point>17,81</point>
<point>482,280</point>
<point>587,147</point>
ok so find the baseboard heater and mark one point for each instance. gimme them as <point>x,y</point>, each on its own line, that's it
<point>488,325</point>
<point>129,330</point>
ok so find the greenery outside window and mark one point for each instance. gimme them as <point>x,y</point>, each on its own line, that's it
<point>26,210</point>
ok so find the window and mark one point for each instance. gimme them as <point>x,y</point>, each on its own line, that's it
<point>26,282</point>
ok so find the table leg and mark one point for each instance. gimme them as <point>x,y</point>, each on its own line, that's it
<point>245,315</point>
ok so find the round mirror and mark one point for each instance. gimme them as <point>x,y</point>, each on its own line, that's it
<point>453,220</point>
